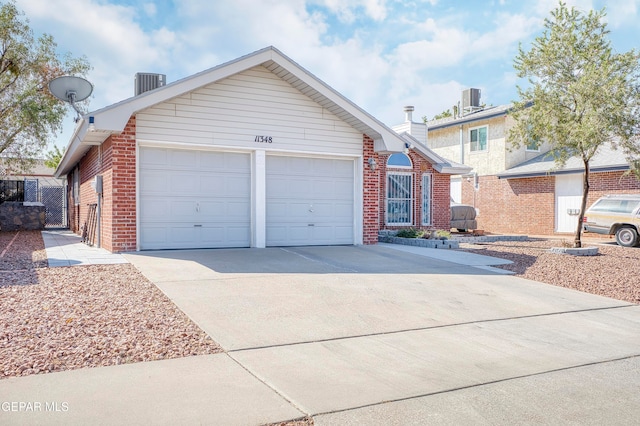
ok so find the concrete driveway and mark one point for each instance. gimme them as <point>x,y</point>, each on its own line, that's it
<point>372,335</point>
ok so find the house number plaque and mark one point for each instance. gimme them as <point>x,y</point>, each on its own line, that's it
<point>263,139</point>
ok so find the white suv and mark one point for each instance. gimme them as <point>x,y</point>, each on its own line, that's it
<point>615,214</point>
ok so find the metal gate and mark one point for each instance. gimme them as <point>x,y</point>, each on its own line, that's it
<point>53,199</point>
<point>31,190</point>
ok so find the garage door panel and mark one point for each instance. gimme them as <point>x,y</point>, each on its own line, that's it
<point>277,234</point>
<point>154,210</point>
<point>150,158</point>
<point>180,210</point>
<point>183,159</point>
<point>229,236</point>
<point>182,234</point>
<point>343,169</point>
<point>329,211</point>
<point>154,235</point>
<point>310,201</point>
<point>153,181</point>
<point>193,199</point>
<point>332,190</point>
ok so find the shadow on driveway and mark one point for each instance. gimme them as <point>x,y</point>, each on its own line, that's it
<point>307,260</point>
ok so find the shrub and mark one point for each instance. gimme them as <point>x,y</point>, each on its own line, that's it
<point>441,235</point>
<point>410,233</point>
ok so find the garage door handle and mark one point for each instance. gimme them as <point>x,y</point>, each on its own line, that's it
<point>197,226</point>
<point>197,207</point>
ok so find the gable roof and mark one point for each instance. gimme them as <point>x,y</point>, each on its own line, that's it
<point>37,168</point>
<point>606,159</point>
<point>112,119</point>
<point>440,164</point>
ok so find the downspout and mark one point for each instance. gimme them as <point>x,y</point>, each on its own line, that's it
<point>461,146</point>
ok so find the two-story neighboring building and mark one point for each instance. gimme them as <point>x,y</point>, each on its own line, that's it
<point>516,189</point>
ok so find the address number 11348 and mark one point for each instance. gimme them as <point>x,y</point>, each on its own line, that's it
<point>263,139</point>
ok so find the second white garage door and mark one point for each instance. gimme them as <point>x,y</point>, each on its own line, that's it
<point>310,201</point>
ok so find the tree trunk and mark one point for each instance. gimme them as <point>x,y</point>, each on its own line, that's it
<point>577,243</point>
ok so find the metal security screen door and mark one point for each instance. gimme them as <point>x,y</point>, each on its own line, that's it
<point>426,199</point>
<point>53,199</point>
<point>399,198</point>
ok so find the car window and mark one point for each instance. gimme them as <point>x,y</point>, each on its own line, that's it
<point>614,206</point>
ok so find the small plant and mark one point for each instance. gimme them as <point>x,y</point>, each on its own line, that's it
<point>441,235</point>
<point>410,233</point>
<point>566,243</point>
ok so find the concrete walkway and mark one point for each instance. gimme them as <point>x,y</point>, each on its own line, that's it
<point>64,248</point>
<point>360,335</point>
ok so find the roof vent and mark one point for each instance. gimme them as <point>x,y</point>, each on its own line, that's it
<point>148,81</point>
<point>470,100</point>
<point>408,113</point>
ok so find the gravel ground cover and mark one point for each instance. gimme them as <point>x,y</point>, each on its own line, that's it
<point>55,319</point>
<point>612,273</point>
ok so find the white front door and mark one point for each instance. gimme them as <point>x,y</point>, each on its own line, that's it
<point>568,199</point>
<point>309,201</point>
<point>194,199</point>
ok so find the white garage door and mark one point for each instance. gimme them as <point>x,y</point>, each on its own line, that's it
<point>310,201</point>
<point>194,199</point>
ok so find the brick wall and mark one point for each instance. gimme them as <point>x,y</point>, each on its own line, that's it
<point>371,201</point>
<point>611,183</point>
<point>115,161</point>
<point>527,206</point>
<point>123,189</point>
<point>375,194</point>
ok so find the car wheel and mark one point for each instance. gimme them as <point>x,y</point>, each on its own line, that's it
<point>626,237</point>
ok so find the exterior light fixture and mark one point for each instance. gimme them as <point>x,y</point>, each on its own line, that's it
<point>372,163</point>
<point>92,126</point>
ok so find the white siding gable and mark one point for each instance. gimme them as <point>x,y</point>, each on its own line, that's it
<point>233,111</point>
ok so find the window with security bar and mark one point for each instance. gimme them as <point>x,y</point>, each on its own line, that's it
<point>399,198</point>
<point>426,199</point>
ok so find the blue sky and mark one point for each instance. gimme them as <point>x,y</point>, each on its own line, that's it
<point>381,54</point>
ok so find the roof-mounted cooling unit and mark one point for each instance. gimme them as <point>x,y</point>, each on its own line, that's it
<point>470,100</point>
<point>148,81</point>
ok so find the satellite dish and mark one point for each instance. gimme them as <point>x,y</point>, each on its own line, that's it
<point>72,89</point>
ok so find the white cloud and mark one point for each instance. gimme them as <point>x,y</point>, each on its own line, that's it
<point>108,35</point>
<point>623,13</point>
<point>150,9</point>
<point>347,10</point>
<point>391,52</point>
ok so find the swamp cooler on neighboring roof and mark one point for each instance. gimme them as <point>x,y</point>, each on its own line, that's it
<point>470,100</point>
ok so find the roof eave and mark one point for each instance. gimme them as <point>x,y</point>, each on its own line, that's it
<point>523,175</point>
<point>446,169</point>
<point>440,164</point>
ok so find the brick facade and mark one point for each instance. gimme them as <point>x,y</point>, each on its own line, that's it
<point>371,194</point>
<point>375,188</point>
<point>115,160</point>
<point>527,206</point>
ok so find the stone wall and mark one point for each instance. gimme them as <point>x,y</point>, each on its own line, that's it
<point>17,216</point>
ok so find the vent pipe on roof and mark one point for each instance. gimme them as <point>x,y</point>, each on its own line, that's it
<point>408,111</point>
